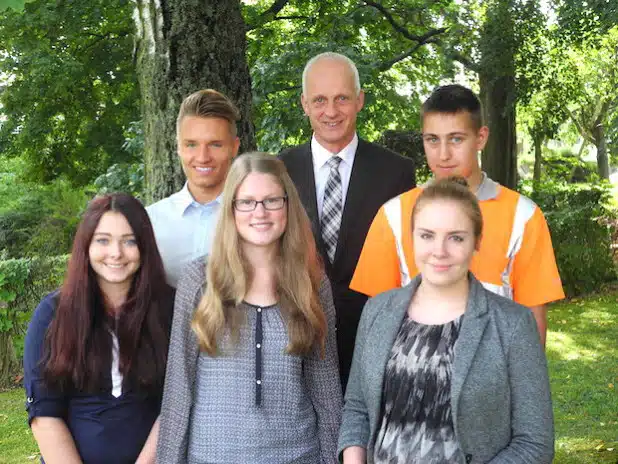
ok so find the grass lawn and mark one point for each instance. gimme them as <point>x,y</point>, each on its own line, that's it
<point>16,442</point>
<point>582,349</point>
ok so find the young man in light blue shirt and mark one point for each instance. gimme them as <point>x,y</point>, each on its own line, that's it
<point>207,143</point>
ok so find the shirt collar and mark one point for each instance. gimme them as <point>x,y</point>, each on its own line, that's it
<point>321,155</point>
<point>488,189</point>
<point>185,200</point>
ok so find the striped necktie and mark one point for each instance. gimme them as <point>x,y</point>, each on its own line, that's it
<point>332,208</point>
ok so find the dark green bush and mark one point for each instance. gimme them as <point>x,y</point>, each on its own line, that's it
<point>38,220</point>
<point>565,166</point>
<point>580,222</point>
<point>23,282</point>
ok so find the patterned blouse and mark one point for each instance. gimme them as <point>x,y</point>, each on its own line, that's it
<point>417,425</point>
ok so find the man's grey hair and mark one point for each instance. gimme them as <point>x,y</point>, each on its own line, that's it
<point>335,57</point>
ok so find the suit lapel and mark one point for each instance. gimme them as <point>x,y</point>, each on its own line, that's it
<point>305,184</point>
<point>362,170</point>
<point>472,328</point>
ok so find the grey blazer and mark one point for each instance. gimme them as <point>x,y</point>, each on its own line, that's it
<point>500,397</point>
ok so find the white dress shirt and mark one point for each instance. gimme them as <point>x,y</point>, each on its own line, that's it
<point>321,170</point>
<point>183,229</point>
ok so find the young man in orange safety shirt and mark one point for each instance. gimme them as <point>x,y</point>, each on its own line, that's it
<point>515,259</point>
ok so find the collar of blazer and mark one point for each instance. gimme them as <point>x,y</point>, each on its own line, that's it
<point>387,321</point>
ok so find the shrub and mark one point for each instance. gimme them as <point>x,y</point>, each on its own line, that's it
<point>128,178</point>
<point>38,219</point>
<point>579,219</point>
<point>23,282</point>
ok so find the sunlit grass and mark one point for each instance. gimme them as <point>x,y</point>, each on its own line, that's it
<point>582,352</point>
<point>16,442</point>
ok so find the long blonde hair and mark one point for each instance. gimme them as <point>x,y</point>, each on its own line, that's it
<point>298,268</point>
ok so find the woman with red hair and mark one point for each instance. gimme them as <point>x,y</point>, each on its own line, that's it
<point>96,349</point>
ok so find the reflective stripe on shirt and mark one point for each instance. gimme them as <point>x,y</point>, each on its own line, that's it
<point>392,210</point>
<point>524,211</point>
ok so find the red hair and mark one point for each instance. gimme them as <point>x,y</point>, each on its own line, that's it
<point>78,346</point>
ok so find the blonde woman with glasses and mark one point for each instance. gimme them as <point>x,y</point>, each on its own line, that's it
<point>252,374</point>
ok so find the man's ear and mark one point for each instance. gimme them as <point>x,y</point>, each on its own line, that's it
<point>361,100</point>
<point>481,138</point>
<point>304,103</point>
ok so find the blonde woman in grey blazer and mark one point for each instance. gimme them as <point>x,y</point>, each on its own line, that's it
<point>443,369</point>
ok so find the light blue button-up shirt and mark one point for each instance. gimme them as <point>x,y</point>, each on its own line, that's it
<point>184,230</point>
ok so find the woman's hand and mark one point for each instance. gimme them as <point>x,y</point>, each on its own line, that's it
<point>354,455</point>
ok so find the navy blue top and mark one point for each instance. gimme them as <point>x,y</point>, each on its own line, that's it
<point>105,429</point>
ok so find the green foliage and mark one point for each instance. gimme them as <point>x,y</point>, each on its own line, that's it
<point>71,88</point>
<point>564,166</point>
<point>579,219</point>
<point>37,219</point>
<point>14,4</point>
<point>124,177</point>
<point>127,178</point>
<point>23,282</point>
<point>410,145</point>
<point>582,21</point>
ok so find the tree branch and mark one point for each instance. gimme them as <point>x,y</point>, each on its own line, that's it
<point>280,18</point>
<point>275,8</point>
<point>268,15</point>
<point>583,131</point>
<point>421,39</point>
<point>386,65</point>
<point>464,60</point>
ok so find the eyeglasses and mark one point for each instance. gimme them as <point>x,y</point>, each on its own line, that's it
<point>270,204</point>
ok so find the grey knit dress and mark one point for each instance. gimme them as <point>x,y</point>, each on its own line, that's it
<point>253,403</point>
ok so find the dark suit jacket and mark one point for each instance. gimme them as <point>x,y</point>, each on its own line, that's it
<point>500,397</point>
<point>377,176</point>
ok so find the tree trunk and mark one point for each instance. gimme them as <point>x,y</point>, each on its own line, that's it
<point>497,45</point>
<point>598,133</point>
<point>183,46</point>
<point>499,158</point>
<point>8,360</point>
<point>538,160</point>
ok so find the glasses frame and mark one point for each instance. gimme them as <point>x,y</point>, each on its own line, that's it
<point>262,202</point>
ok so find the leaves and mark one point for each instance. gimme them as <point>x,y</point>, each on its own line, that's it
<point>13,4</point>
<point>72,90</point>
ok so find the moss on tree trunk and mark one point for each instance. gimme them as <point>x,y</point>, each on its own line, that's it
<point>183,46</point>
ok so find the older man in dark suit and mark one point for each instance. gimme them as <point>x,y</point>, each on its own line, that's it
<point>342,181</point>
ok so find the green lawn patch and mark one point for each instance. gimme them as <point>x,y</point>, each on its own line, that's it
<point>582,349</point>
<point>17,444</point>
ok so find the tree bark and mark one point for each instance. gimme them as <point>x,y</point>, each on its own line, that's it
<point>598,133</point>
<point>498,93</point>
<point>8,360</point>
<point>183,46</point>
<point>499,158</point>
<point>538,159</point>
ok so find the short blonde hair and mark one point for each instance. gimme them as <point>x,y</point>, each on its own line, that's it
<point>299,271</point>
<point>209,103</point>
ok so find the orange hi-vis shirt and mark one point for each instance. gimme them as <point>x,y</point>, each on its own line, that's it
<point>515,260</point>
